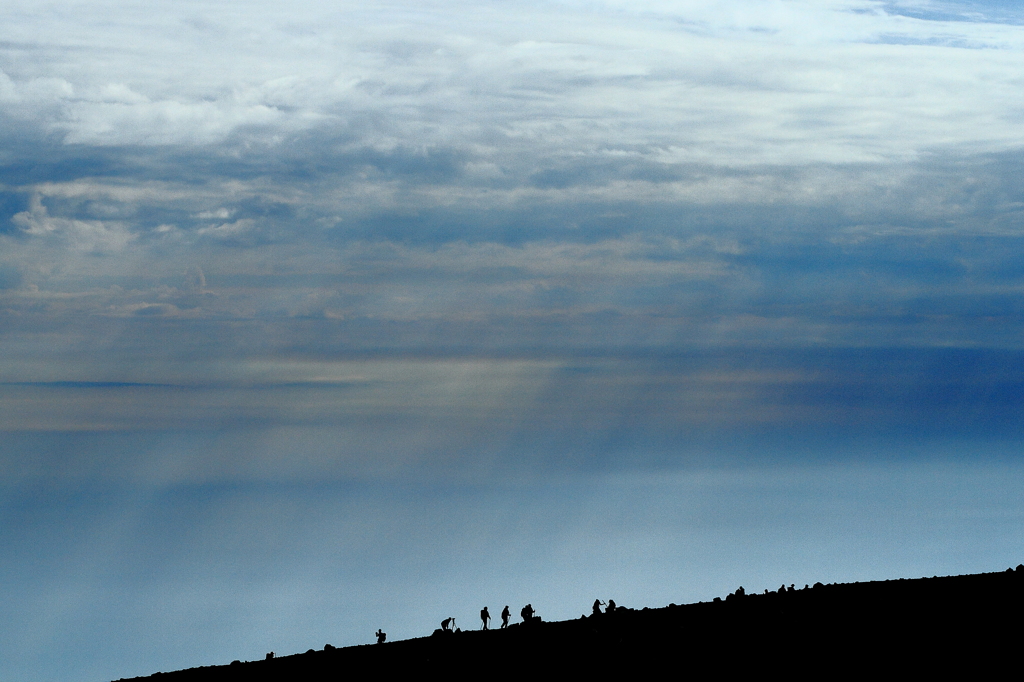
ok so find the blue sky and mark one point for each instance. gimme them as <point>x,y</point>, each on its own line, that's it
<point>322,317</point>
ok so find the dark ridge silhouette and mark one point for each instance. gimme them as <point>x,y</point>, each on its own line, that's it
<point>949,625</point>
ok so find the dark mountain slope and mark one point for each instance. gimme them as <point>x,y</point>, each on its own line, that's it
<point>949,625</point>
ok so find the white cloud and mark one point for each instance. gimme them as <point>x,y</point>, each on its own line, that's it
<point>88,236</point>
<point>456,162</point>
<point>732,82</point>
<point>228,230</point>
<point>160,123</point>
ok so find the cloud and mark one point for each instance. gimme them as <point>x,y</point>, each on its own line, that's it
<point>575,81</point>
<point>158,123</point>
<point>90,236</point>
<point>479,178</point>
<point>500,419</point>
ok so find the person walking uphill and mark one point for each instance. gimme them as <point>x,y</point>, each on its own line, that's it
<point>485,618</point>
<point>505,615</point>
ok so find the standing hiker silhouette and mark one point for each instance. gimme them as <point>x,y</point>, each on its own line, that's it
<point>485,617</point>
<point>505,614</point>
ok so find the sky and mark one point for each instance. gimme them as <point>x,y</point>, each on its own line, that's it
<point>323,317</point>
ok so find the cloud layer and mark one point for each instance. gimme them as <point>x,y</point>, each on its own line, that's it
<point>445,161</point>
<point>572,203</point>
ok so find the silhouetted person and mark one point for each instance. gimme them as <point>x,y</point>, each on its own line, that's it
<point>505,615</point>
<point>270,655</point>
<point>484,617</point>
<point>381,636</point>
<point>447,624</point>
<point>527,613</point>
<point>611,606</point>
<point>597,607</point>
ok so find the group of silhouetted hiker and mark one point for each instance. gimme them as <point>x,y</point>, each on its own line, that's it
<point>485,616</point>
<point>448,624</point>
<point>527,613</point>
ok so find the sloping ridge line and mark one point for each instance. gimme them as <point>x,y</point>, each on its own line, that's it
<point>940,625</point>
